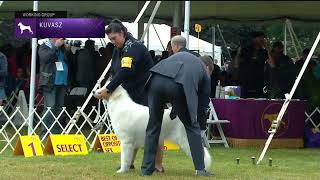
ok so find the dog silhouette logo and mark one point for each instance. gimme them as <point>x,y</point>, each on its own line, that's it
<point>24,27</point>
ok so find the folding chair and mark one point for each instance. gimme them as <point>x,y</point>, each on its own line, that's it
<point>213,119</point>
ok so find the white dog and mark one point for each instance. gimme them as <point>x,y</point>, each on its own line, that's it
<point>23,27</point>
<point>129,121</point>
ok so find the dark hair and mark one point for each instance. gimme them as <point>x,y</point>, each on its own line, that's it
<point>306,51</point>
<point>89,44</point>
<point>116,26</point>
<point>277,44</point>
<point>164,54</point>
<point>152,53</point>
<point>255,34</point>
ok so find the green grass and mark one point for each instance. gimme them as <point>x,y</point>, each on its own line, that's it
<point>287,164</point>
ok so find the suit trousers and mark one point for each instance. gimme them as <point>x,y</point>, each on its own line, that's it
<point>162,90</point>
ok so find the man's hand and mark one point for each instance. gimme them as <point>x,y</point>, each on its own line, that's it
<point>59,42</point>
<point>102,93</point>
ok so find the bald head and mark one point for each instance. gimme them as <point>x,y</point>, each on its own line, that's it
<point>178,42</point>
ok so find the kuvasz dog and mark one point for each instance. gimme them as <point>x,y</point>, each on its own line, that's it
<point>129,121</point>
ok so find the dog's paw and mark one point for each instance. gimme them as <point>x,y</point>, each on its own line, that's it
<point>122,171</point>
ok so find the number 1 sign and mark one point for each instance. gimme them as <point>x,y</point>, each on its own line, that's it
<point>28,146</point>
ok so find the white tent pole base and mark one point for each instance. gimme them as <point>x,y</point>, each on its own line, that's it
<point>265,148</point>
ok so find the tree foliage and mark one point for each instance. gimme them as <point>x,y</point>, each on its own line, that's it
<point>233,33</point>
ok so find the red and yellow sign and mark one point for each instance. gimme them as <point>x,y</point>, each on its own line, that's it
<point>111,143</point>
<point>63,144</point>
<point>107,143</point>
<point>28,146</point>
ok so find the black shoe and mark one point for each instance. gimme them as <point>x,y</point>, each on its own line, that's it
<point>203,173</point>
<point>131,167</point>
<point>145,174</point>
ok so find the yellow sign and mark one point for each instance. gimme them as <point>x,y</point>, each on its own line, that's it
<point>126,62</point>
<point>168,145</point>
<point>111,143</point>
<point>28,146</point>
<point>197,28</point>
<point>63,144</point>
<point>107,143</point>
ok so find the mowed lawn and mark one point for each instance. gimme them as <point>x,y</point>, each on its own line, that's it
<point>286,164</point>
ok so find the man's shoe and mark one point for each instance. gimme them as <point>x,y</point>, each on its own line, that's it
<point>145,174</point>
<point>131,167</point>
<point>203,173</point>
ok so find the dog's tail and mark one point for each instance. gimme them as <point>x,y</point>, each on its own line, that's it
<point>207,159</point>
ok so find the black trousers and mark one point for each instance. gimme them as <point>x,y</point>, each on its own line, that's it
<point>164,90</point>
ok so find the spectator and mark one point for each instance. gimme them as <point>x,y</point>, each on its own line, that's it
<point>3,74</point>
<point>214,78</point>
<point>85,65</point>
<point>53,79</point>
<point>169,49</point>
<point>249,64</point>
<point>153,54</point>
<point>21,78</point>
<point>301,61</point>
<point>26,85</point>
<point>280,72</point>
<point>164,55</point>
<point>104,59</point>
<point>9,51</point>
<point>26,56</point>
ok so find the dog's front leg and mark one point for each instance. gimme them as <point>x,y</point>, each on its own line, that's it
<point>127,150</point>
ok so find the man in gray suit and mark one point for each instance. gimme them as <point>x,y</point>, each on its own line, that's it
<point>181,80</point>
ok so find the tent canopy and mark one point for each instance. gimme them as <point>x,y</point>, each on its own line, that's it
<point>201,11</point>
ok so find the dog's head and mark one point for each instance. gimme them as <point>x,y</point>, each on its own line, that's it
<point>19,24</point>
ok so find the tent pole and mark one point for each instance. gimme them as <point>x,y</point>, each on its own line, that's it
<point>187,22</point>
<point>139,16</point>
<point>148,40</point>
<point>150,20</point>
<point>32,76</point>
<point>288,98</point>
<point>158,37</point>
<point>292,39</point>
<point>285,37</point>
<point>295,36</point>
<point>213,28</point>
<point>224,42</point>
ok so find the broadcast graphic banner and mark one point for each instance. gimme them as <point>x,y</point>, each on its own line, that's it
<point>59,28</point>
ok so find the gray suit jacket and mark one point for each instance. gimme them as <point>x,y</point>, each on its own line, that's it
<point>188,70</point>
